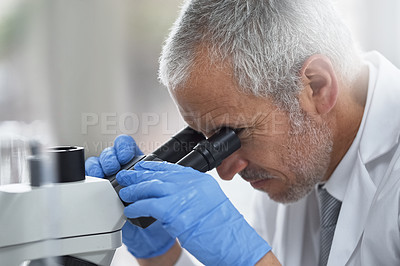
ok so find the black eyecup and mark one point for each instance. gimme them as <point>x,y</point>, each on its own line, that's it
<point>69,163</point>
<point>210,153</point>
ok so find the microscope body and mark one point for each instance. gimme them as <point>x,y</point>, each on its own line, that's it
<point>82,219</point>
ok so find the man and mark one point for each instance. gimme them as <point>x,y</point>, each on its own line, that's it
<point>319,130</point>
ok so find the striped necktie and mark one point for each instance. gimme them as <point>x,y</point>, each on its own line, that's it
<point>329,212</point>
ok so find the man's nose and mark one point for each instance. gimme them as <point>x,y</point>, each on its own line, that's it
<point>231,166</point>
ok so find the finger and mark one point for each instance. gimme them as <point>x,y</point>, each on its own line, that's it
<point>135,239</point>
<point>109,162</point>
<point>153,207</point>
<point>93,167</point>
<point>128,177</point>
<point>123,178</point>
<point>147,189</point>
<point>159,166</point>
<point>144,243</point>
<point>126,148</point>
<point>140,208</point>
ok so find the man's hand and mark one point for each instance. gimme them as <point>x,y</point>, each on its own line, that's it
<point>112,158</point>
<point>151,242</point>
<point>191,206</point>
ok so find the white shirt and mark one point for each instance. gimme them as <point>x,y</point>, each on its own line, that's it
<point>367,231</point>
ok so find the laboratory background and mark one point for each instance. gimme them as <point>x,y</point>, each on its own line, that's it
<point>81,72</point>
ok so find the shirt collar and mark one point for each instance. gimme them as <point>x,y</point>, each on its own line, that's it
<point>382,130</point>
<point>337,183</point>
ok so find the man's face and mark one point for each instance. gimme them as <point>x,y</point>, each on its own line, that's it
<point>276,157</point>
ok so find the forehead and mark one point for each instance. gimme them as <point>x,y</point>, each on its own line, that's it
<point>211,98</point>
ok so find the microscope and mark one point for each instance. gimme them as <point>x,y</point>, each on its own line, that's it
<point>66,218</point>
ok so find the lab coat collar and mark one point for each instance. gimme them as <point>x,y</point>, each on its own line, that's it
<point>380,134</point>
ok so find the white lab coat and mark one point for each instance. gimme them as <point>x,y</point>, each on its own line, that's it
<point>367,231</point>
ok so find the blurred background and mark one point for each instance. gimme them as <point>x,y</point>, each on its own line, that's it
<point>81,72</point>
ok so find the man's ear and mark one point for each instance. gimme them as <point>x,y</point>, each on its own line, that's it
<point>320,84</point>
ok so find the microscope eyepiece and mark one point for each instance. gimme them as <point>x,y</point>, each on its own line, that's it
<point>179,145</point>
<point>210,153</point>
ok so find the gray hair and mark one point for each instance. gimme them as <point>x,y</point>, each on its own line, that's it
<point>265,41</point>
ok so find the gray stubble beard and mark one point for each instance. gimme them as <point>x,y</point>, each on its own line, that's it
<point>309,153</point>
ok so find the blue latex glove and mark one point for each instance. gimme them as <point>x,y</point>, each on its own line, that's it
<point>142,243</point>
<point>112,158</point>
<point>191,206</point>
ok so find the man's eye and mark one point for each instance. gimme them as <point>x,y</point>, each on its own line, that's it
<point>238,130</point>
<point>243,133</point>
<point>215,131</point>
